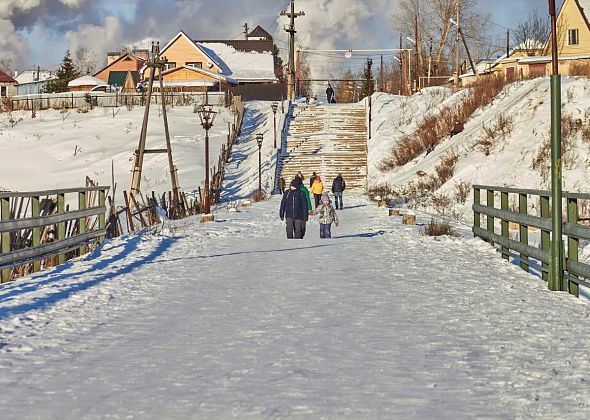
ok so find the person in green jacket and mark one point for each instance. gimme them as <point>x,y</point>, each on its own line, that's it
<point>305,191</point>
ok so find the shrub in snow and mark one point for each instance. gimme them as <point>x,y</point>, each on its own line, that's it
<point>435,228</point>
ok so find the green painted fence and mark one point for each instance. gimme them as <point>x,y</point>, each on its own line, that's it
<point>31,233</point>
<point>498,216</point>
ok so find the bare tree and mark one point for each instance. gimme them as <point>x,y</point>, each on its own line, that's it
<point>7,65</point>
<point>532,33</point>
<point>85,60</point>
<point>435,26</point>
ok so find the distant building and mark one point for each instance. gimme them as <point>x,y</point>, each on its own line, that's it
<point>86,84</point>
<point>214,65</point>
<point>7,85</point>
<point>33,82</point>
<point>123,70</point>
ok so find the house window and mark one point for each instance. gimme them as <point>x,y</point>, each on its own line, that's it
<point>196,65</point>
<point>3,91</point>
<point>169,65</point>
<point>572,37</point>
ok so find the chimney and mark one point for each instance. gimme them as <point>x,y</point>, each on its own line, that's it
<point>112,56</point>
<point>15,74</point>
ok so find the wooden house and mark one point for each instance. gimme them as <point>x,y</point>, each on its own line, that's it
<point>7,85</point>
<point>197,66</point>
<point>124,71</point>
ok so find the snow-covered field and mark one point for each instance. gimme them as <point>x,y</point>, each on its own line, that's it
<point>230,319</point>
<point>510,160</point>
<point>58,150</point>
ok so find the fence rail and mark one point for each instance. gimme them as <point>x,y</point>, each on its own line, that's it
<point>78,100</point>
<point>38,230</point>
<point>575,273</point>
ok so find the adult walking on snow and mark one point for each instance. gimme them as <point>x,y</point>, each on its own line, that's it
<point>312,178</point>
<point>305,192</point>
<point>317,189</point>
<point>294,209</point>
<point>338,187</point>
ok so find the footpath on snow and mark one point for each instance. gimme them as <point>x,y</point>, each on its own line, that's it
<point>231,319</point>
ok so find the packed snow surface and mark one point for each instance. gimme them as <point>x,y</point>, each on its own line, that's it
<point>229,319</point>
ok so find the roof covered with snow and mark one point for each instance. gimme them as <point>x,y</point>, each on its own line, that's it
<point>30,76</point>
<point>585,5</point>
<point>87,80</point>
<point>242,66</point>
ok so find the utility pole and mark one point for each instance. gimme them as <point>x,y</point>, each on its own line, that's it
<point>402,68</point>
<point>382,76</point>
<point>468,53</point>
<point>457,46</point>
<point>417,69</point>
<point>246,30</point>
<point>507,43</point>
<point>154,62</point>
<point>556,278</point>
<point>430,61</point>
<point>290,29</point>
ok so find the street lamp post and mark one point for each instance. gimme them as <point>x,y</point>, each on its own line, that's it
<point>556,278</point>
<point>207,116</point>
<point>259,138</point>
<point>275,107</point>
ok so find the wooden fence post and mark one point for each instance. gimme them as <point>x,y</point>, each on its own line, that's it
<point>476,201</point>
<point>82,220</point>
<point>61,227</point>
<point>523,229</point>
<point>101,217</point>
<point>36,235</point>
<point>572,243</point>
<point>545,234</point>
<point>505,226</point>
<point>490,219</point>
<point>5,236</point>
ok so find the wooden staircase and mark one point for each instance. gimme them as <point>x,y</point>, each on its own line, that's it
<point>328,139</point>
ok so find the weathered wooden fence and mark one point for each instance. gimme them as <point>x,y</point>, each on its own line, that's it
<point>218,172</point>
<point>79,100</point>
<point>515,213</point>
<point>38,229</point>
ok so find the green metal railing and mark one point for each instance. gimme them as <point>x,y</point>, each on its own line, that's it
<point>30,234</point>
<point>574,272</point>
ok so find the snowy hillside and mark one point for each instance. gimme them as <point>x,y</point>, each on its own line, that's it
<point>57,150</point>
<point>502,144</point>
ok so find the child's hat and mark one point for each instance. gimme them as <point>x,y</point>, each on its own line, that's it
<point>326,197</point>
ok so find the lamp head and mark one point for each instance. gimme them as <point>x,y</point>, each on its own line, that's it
<point>274,107</point>
<point>259,138</point>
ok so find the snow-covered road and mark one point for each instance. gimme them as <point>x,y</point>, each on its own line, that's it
<point>231,320</point>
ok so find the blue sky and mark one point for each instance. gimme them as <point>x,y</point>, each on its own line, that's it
<point>138,19</point>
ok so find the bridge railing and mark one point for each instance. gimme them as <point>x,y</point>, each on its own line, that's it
<point>38,229</point>
<point>493,224</point>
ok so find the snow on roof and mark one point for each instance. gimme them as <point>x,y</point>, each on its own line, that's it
<point>585,5</point>
<point>242,66</point>
<point>87,80</point>
<point>30,76</point>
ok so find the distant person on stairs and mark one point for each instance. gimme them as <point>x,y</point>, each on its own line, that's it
<point>312,178</point>
<point>330,94</point>
<point>317,189</point>
<point>338,187</point>
<point>282,185</point>
<point>294,209</point>
<point>327,216</point>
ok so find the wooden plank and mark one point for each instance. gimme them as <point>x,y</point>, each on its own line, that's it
<point>24,256</point>
<point>523,249</point>
<point>32,222</point>
<point>36,234</point>
<point>51,192</point>
<point>5,237</point>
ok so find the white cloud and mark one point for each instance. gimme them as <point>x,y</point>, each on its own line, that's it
<point>98,39</point>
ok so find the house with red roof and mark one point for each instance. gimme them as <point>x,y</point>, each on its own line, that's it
<point>7,85</point>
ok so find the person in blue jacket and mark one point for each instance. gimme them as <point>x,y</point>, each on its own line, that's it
<point>294,209</point>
